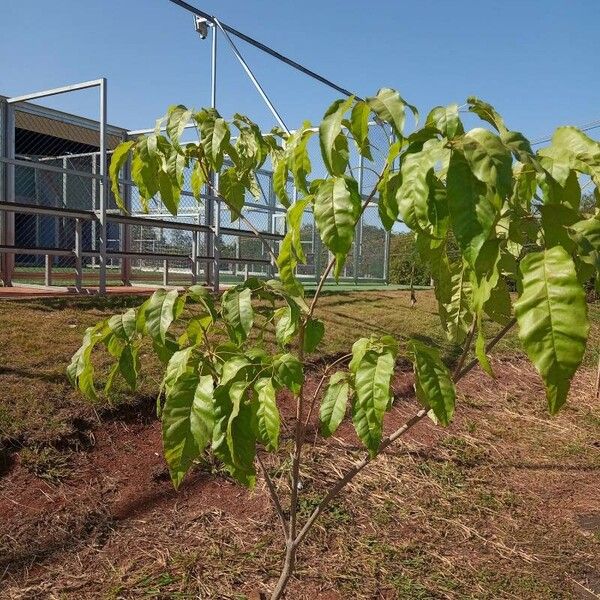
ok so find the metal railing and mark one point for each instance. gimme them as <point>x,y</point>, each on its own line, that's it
<point>59,221</point>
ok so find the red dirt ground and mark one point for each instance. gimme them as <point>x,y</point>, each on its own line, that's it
<point>122,479</point>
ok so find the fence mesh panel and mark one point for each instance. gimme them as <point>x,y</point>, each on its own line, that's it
<point>56,164</point>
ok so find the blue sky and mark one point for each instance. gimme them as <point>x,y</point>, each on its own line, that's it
<point>537,61</point>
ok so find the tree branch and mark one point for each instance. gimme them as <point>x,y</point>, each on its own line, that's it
<point>389,440</point>
<point>274,495</point>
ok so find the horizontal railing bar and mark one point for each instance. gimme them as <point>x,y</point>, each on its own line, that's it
<point>55,91</point>
<point>247,233</point>
<point>37,209</point>
<point>35,164</point>
<point>123,254</point>
<point>6,249</point>
<point>250,261</point>
<point>151,222</point>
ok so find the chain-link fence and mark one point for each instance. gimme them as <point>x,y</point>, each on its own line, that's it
<point>56,207</point>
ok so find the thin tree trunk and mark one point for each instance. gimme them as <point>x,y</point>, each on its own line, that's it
<point>288,569</point>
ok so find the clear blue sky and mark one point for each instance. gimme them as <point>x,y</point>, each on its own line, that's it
<point>537,61</point>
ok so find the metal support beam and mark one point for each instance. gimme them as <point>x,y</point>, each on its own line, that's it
<point>59,90</point>
<point>264,48</point>
<point>252,77</point>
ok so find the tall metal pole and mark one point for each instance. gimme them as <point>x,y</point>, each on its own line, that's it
<point>103,190</point>
<point>9,183</point>
<point>3,166</point>
<point>216,204</point>
<point>358,232</point>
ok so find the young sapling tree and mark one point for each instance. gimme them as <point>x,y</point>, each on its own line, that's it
<point>514,214</point>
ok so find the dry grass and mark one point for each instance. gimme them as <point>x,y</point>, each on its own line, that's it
<point>503,504</point>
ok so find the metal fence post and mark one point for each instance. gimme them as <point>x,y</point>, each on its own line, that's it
<point>48,270</point>
<point>165,272</point>
<point>386,257</point>
<point>194,257</point>
<point>78,256</point>
<point>216,239</point>
<point>358,231</point>
<point>215,205</point>
<point>3,119</point>
<point>103,190</point>
<point>125,228</point>
<point>9,193</point>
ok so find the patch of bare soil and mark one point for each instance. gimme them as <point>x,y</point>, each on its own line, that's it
<point>502,504</point>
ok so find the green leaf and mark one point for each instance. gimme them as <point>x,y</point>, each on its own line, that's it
<point>232,190</point>
<point>187,423</point>
<point>176,366</point>
<point>446,120</point>
<point>160,313</point>
<point>80,371</point>
<point>337,208</point>
<point>552,318</point>
<point>473,207</point>
<point>298,157</point>
<point>169,193</point>
<point>372,386</point>
<point>234,438</point>
<point>333,405</point>
<point>458,315</point>
<point>177,118</point>
<point>487,113</point>
<point>581,151</point>
<point>289,372</point>
<point>238,313</point>
<point>129,365</point>
<point>280,181</point>
<point>499,307</point>
<point>489,159</point>
<point>391,108</point>
<point>313,334</point>
<point>586,234</point>
<point>267,414</point>
<point>117,160</point>
<point>145,168</point>
<point>414,193</point>
<point>198,180</point>
<point>387,203</point>
<point>433,383</point>
<point>287,323</point>
<point>359,127</point>
<point>329,130</point>
<point>214,137</point>
<point>556,220</point>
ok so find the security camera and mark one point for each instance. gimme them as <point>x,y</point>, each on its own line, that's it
<point>201,25</point>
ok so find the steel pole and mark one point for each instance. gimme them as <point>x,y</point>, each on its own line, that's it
<point>9,182</point>
<point>216,204</point>
<point>103,190</point>
<point>358,228</point>
<point>3,167</point>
